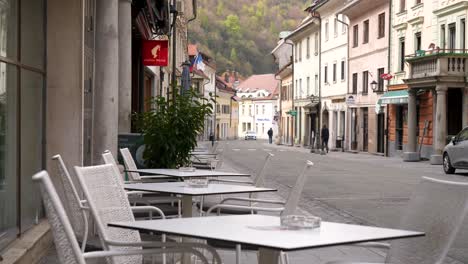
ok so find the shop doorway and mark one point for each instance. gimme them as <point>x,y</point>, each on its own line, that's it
<point>365,129</point>
<point>399,127</point>
<point>313,128</point>
<point>454,111</point>
<point>354,128</point>
<point>380,133</point>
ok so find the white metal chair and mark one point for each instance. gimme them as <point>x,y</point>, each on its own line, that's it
<point>288,207</point>
<point>74,204</point>
<point>164,202</point>
<point>258,181</point>
<point>67,247</point>
<point>108,203</point>
<point>131,166</point>
<point>437,208</point>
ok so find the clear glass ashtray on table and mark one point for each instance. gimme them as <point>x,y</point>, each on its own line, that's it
<point>187,169</point>
<point>300,222</point>
<point>197,183</point>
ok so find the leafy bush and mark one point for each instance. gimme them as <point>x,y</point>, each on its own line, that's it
<point>171,128</point>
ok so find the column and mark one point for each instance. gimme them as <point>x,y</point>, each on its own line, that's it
<point>411,154</point>
<point>305,128</point>
<point>465,107</point>
<point>125,65</point>
<point>106,117</point>
<point>440,123</point>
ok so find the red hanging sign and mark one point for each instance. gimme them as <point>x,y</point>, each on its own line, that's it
<point>386,76</point>
<point>155,52</point>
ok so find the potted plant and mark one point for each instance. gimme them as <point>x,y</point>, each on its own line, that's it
<point>171,127</point>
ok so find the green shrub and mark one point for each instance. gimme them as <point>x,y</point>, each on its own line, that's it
<point>171,128</point>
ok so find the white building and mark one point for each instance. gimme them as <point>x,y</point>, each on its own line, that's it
<point>334,59</point>
<point>306,42</point>
<point>258,106</point>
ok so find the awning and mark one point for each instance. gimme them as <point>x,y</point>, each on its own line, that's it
<point>394,97</point>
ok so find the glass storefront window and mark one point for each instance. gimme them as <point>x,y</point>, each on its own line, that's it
<point>8,153</point>
<point>31,146</point>
<point>8,29</point>
<point>21,114</point>
<point>32,33</point>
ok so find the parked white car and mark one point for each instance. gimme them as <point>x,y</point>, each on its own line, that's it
<point>250,135</point>
<point>456,153</point>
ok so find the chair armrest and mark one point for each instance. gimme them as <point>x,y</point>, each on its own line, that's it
<point>155,244</point>
<point>148,209</point>
<point>232,181</point>
<point>252,200</point>
<point>150,177</point>
<point>351,262</point>
<point>372,245</point>
<point>253,208</point>
<point>114,253</point>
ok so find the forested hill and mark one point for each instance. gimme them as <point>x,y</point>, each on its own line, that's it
<point>240,34</point>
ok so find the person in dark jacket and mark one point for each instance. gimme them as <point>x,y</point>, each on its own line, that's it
<point>325,135</point>
<point>270,135</point>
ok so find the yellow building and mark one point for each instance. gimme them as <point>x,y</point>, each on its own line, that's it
<point>227,109</point>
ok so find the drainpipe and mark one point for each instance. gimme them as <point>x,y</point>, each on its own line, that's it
<point>280,127</point>
<point>194,5</point>
<point>174,47</point>
<point>292,91</point>
<point>347,116</point>
<point>388,67</point>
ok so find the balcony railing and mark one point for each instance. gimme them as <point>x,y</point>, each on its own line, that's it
<point>429,63</point>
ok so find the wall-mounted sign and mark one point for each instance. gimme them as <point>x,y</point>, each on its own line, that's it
<point>263,120</point>
<point>155,53</point>
<point>350,100</point>
<point>386,76</point>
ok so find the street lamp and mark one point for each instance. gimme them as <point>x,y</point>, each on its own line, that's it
<point>374,85</point>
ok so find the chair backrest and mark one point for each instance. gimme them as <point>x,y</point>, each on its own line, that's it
<point>260,178</point>
<point>108,158</point>
<point>437,208</point>
<point>108,203</point>
<point>68,250</point>
<point>70,196</point>
<point>130,164</point>
<point>295,195</point>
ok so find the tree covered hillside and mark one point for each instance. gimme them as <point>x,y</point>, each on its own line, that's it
<point>240,34</point>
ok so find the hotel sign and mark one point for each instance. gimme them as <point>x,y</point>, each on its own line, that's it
<point>155,53</point>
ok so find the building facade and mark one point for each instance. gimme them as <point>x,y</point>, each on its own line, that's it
<point>368,62</point>
<point>258,105</point>
<point>306,79</point>
<point>65,88</point>
<point>436,74</point>
<point>283,56</point>
<point>334,60</point>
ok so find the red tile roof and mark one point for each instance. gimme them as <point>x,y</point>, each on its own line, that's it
<point>260,82</point>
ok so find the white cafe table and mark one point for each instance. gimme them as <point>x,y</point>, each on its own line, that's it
<point>187,174</point>
<point>266,233</point>
<point>187,193</point>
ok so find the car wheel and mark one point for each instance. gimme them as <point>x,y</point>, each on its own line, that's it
<point>448,169</point>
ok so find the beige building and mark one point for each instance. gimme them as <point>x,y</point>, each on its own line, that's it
<point>226,116</point>
<point>282,54</point>
<point>368,61</point>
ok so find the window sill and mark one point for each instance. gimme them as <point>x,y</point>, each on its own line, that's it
<point>417,6</point>
<point>380,37</point>
<point>401,13</point>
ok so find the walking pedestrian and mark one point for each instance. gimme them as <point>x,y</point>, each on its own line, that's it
<point>325,136</point>
<point>270,135</point>
<point>212,138</point>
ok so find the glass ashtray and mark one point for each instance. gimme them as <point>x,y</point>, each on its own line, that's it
<point>187,169</point>
<point>300,222</point>
<point>197,183</point>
